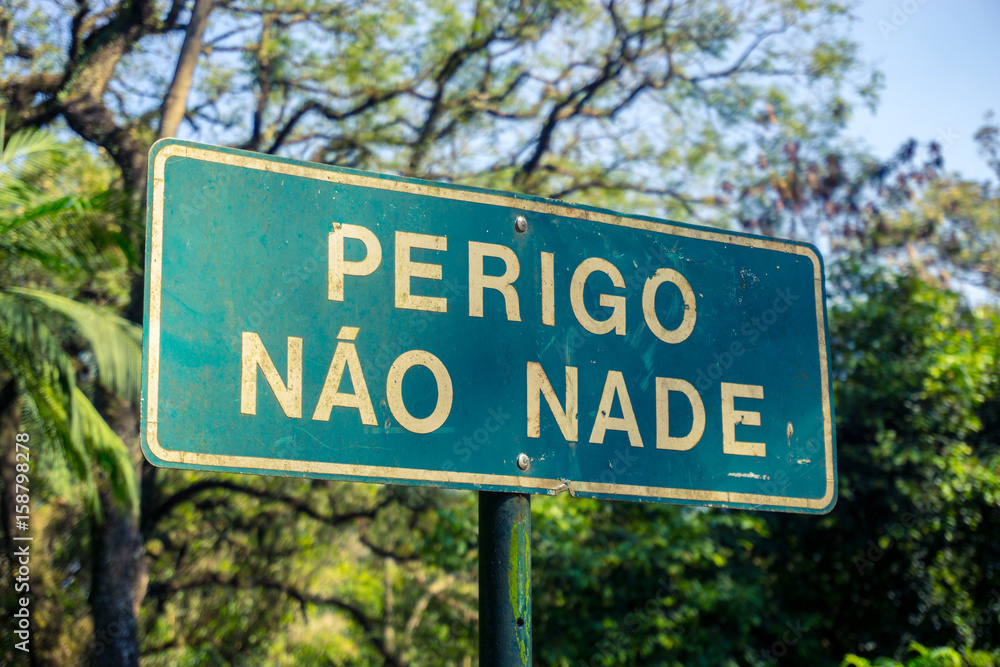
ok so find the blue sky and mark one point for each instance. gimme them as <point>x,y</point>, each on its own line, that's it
<point>941,60</point>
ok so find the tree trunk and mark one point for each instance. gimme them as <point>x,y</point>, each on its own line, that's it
<point>118,571</point>
<point>10,424</point>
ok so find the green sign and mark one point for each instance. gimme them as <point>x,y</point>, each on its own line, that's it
<point>312,321</point>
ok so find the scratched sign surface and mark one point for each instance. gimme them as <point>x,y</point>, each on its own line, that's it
<point>311,321</point>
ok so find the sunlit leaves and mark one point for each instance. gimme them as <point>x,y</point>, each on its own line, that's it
<point>116,342</point>
<point>64,235</point>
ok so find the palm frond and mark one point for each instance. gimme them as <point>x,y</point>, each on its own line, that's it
<point>45,379</point>
<point>116,342</point>
<point>63,232</point>
<point>45,376</point>
<point>69,234</point>
<point>25,333</point>
<point>26,146</point>
<point>106,449</point>
<point>17,193</point>
<point>31,211</point>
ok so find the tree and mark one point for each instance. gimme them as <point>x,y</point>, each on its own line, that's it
<point>52,240</point>
<point>558,98</point>
<point>638,584</point>
<point>907,211</point>
<point>252,555</point>
<point>916,411</point>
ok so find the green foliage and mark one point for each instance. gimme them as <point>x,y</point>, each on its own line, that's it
<point>352,571</point>
<point>624,583</point>
<point>115,342</point>
<point>643,103</point>
<point>54,233</point>
<point>909,552</point>
<point>925,657</point>
<point>60,218</point>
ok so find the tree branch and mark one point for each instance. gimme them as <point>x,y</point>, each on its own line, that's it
<point>176,101</point>
<point>215,580</point>
<point>191,493</point>
<point>329,113</point>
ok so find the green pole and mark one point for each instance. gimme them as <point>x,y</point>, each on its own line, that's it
<point>504,579</point>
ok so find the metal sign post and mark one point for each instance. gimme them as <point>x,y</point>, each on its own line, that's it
<point>504,579</point>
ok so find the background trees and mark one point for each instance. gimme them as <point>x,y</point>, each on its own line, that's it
<point>556,98</point>
<point>719,112</point>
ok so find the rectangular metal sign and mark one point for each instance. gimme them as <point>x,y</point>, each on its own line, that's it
<point>312,321</point>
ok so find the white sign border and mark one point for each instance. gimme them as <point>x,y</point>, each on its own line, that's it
<point>163,150</point>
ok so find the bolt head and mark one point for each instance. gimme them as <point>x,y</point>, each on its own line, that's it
<point>521,223</point>
<point>523,461</point>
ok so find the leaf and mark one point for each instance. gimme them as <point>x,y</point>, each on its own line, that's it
<point>116,342</point>
<point>45,376</point>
